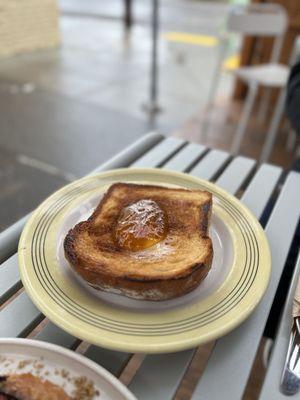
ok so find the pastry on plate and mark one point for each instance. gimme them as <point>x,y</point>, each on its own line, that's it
<point>29,387</point>
<point>145,242</point>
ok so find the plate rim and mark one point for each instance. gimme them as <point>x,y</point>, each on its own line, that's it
<point>73,356</point>
<point>138,347</point>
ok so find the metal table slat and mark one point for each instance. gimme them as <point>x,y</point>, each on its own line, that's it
<point>270,389</point>
<point>159,153</point>
<point>182,160</point>
<point>236,351</point>
<point>210,164</point>
<point>159,375</point>
<point>236,173</point>
<point>19,317</point>
<point>9,278</point>
<point>261,187</point>
<point>131,153</point>
<point>113,361</point>
<point>10,237</point>
<point>51,333</point>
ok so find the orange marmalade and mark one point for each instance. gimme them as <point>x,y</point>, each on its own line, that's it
<point>141,225</point>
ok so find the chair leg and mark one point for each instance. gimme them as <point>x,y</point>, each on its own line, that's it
<point>213,88</point>
<point>291,141</point>
<point>242,125</point>
<point>264,105</point>
<point>273,128</point>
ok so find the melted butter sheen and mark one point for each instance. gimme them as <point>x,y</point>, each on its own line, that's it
<point>140,225</point>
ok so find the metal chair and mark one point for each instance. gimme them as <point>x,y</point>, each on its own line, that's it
<point>267,20</point>
<point>278,113</point>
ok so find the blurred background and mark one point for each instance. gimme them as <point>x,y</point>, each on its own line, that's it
<point>78,83</point>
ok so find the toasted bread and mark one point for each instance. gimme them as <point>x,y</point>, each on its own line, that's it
<point>173,266</point>
<point>29,387</point>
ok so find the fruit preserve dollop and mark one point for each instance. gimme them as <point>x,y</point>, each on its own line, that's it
<point>141,225</point>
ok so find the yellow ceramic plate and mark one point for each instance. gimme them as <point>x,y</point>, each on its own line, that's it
<point>234,286</point>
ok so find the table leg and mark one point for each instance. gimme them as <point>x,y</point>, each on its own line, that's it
<point>152,106</point>
<point>127,13</point>
<point>273,128</point>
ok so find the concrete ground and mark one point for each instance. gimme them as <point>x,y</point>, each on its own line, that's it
<point>66,110</point>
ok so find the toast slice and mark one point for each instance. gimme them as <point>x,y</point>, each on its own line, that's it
<point>29,387</point>
<point>174,263</point>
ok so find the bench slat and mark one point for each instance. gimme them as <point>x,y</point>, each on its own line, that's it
<point>236,351</point>
<point>210,164</point>
<point>131,153</point>
<point>272,380</point>
<point>182,160</point>
<point>19,317</point>
<point>261,187</point>
<point>159,153</point>
<point>158,376</point>
<point>9,278</point>
<point>53,334</point>
<point>113,361</point>
<point>10,237</point>
<point>235,174</point>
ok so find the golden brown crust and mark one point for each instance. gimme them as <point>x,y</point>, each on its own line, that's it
<point>154,290</point>
<point>29,387</point>
<point>95,256</point>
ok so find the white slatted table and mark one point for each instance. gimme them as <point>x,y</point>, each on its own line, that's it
<point>160,376</point>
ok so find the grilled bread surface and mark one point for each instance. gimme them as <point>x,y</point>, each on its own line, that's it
<point>170,268</point>
<point>29,387</point>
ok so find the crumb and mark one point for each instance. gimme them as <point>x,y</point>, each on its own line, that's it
<point>84,389</point>
<point>38,365</point>
<point>22,364</point>
<point>64,373</point>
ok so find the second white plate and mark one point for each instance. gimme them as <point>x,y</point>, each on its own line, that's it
<point>29,354</point>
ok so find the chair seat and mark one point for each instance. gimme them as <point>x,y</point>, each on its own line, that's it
<point>272,75</point>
